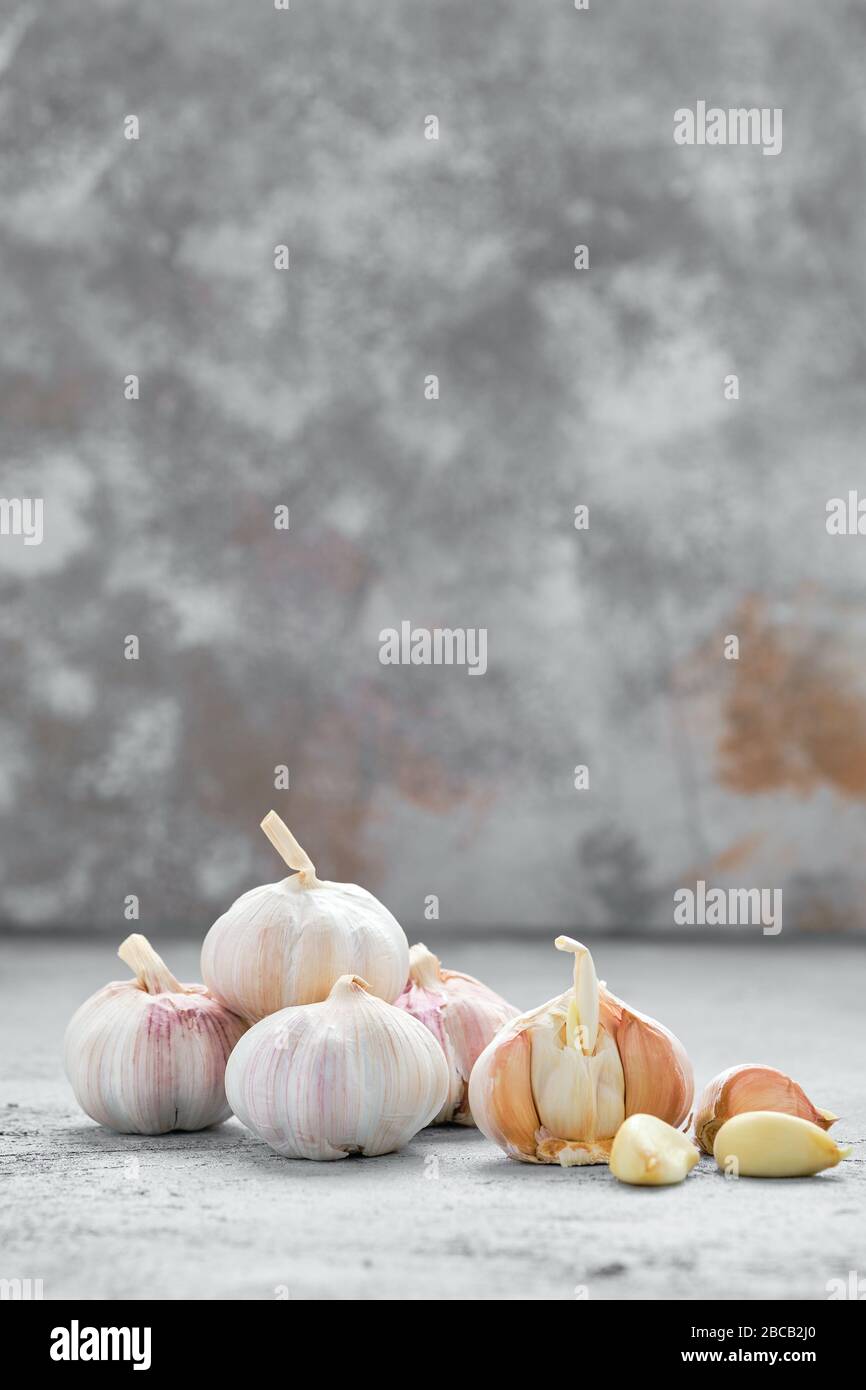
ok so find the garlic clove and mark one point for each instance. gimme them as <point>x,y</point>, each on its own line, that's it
<point>148,1055</point>
<point>658,1074</point>
<point>500,1093</point>
<point>647,1152</point>
<point>752,1086</point>
<point>576,1096</point>
<point>462,1014</point>
<point>351,1074</point>
<point>772,1144</point>
<point>252,958</point>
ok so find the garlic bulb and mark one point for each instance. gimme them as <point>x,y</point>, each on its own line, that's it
<point>649,1153</point>
<point>462,1013</point>
<point>771,1144</point>
<point>148,1055</point>
<point>556,1083</point>
<point>350,1075</point>
<point>752,1086</point>
<point>286,943</point>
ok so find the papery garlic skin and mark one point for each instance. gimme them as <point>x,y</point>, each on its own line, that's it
<point>556,1083</point>
<point>647,1152</point>
<point>285,943</point>
<point>149,1058</point>
<point>752,1086</point>
<point>349,1075</point>
<point>462,1014</point>
<point>771,1144</point>
<point>659,1079</point>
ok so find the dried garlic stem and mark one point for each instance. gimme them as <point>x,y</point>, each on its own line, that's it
<point>151,970</point>
<point>423,966</point>
<point>582,1023</point>
<point>348,985</point>
<point>287,846</point>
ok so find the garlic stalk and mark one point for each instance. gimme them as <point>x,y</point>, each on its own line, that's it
<point>649,1153</point>
<point>752,1086</point>
<point>286,943</point>
<point>770,1144</point>
<point>462,1014</point>
<point>555,1084</point>
<point>349,1075</point>
<point>148,1055</point>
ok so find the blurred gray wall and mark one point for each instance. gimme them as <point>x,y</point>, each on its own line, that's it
<point>411,257</point>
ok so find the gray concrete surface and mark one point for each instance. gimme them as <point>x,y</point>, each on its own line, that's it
<point>218,1215</point>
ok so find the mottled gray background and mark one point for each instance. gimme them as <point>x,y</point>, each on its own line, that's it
<point>604,387</point>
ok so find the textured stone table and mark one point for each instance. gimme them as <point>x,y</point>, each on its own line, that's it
<point>218,1215</point>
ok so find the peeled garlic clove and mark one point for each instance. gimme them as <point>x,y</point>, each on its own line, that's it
<point>349,1075</point>
<point>286,943</point>
<point>649,1153</point>
<point>148,1055</point>
<point>771,1144</point>
<point>555,1085</point>
<point>461,1013</point>
<point>752,1086</point>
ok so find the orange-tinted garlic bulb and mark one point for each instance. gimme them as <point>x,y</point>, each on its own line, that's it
<point>556,1083</point>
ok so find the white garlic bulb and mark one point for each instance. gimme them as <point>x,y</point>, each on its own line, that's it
<point>349,1075</point>
<point>148,1055</point>
<point>286,943</point>
<point>462,1013</point>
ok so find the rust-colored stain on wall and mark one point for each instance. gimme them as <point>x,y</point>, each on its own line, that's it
<point>793,716</point>
<point>735,856</point>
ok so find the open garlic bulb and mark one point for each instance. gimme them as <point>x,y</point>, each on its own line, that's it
<point>556,1083</point>
<point>462,1013</point>
<point>286,943</point>
<point>752,1086</point>
<point>148,1055</point>
<point>350,1075</point>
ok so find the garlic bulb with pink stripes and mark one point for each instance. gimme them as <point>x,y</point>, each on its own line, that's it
<point>462,1013</point>
<point>349,1075</point>
<point>148,1055</point>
